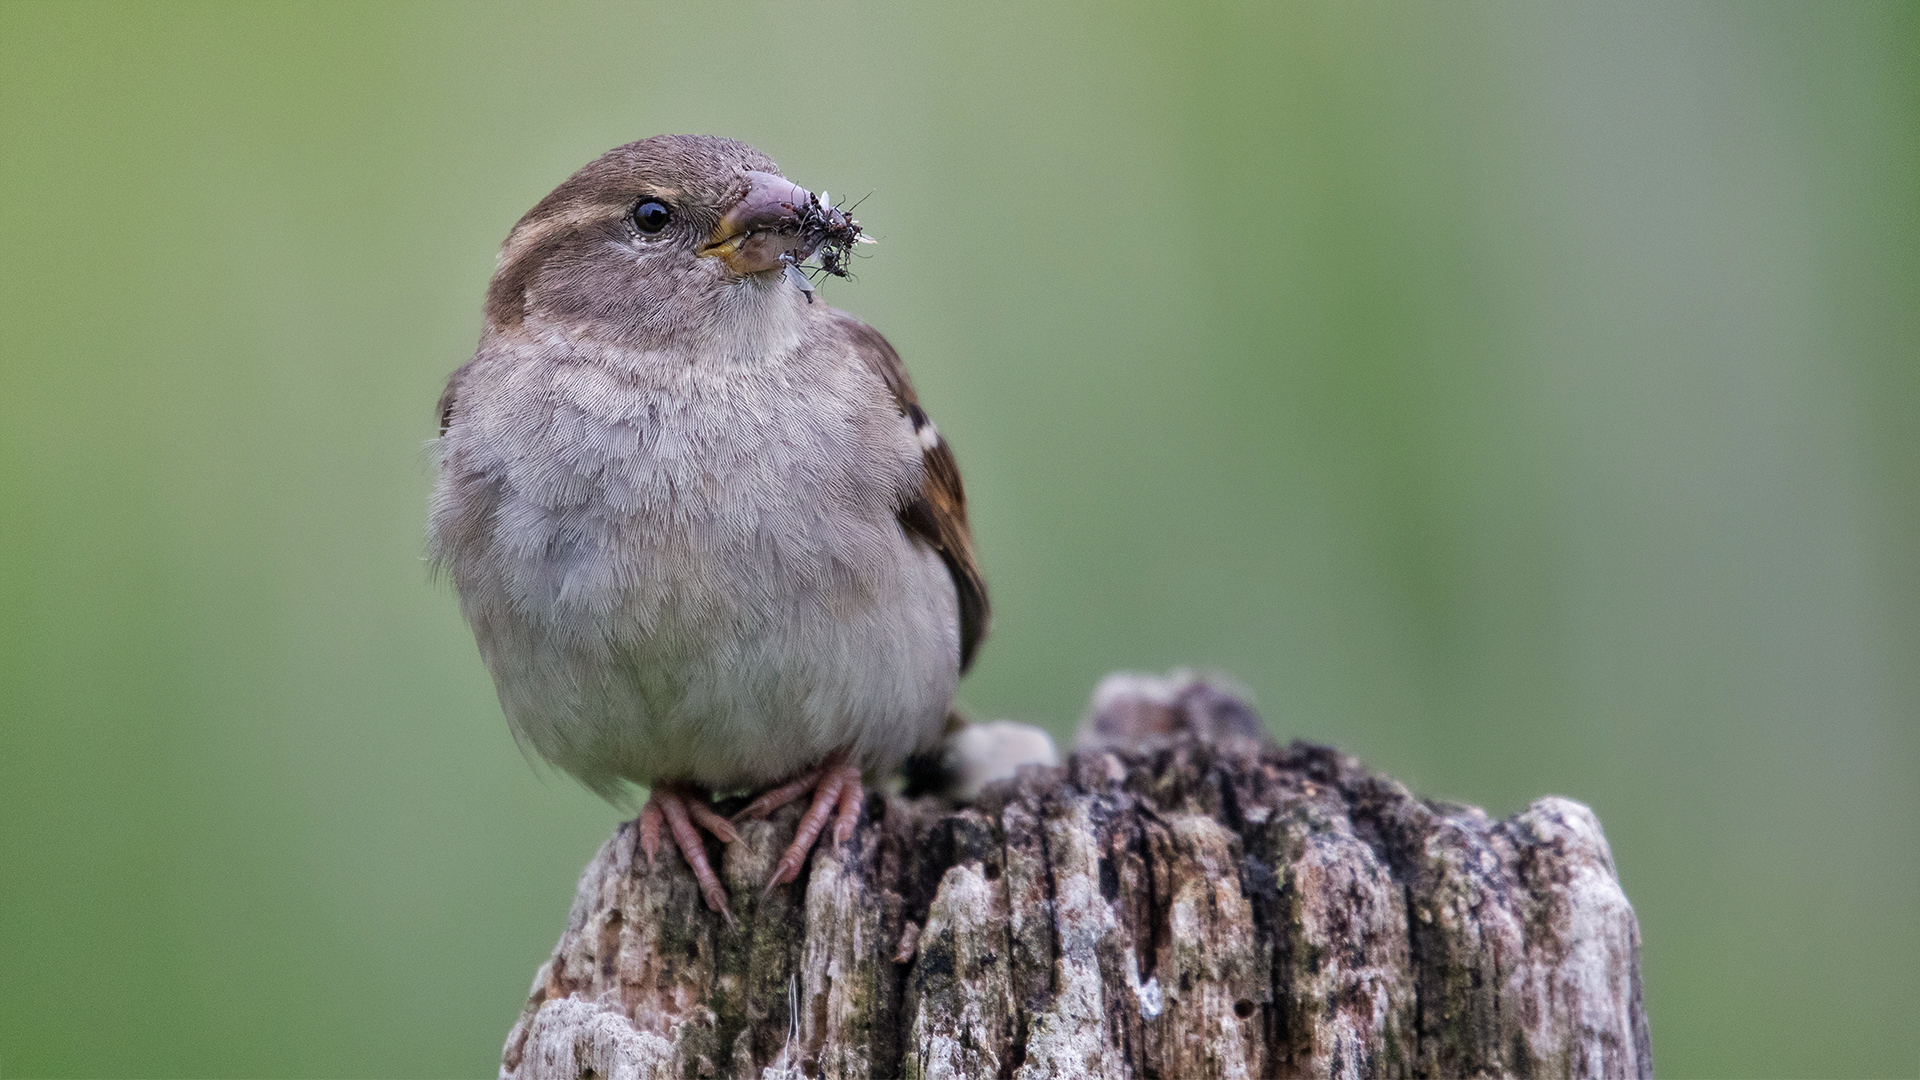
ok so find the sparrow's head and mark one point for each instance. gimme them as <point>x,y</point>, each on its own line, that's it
<point>669,237</point>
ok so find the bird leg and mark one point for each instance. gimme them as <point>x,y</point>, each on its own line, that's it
<point>682,807</point>
<point>837,793</point>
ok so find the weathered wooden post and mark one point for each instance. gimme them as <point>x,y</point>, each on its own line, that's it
<point>1181,898</point>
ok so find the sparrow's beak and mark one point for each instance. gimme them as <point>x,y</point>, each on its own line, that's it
<point>762,229</point>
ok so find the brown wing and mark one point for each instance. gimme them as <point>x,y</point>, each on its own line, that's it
<point>937,513</point>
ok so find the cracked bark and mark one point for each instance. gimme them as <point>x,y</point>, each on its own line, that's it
<point>1181,898</point>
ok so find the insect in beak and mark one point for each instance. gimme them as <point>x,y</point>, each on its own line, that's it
<point>794,274</point>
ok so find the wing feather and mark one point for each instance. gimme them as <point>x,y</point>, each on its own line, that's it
<point>937,513</point>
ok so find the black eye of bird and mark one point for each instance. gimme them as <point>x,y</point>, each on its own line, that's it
<point>651,216</point>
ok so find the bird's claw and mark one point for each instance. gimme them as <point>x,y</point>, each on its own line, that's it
<point>837,793</point>
<point>680,809</point>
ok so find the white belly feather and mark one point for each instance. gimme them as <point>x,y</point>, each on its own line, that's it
<point>669,584</point>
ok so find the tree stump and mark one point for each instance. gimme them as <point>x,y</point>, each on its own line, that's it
<point>1180,898</point>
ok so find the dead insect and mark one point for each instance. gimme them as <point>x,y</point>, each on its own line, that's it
<point>793,273</point>
<point>831,233</point>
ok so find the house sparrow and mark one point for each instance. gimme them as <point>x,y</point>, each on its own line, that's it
<point>705,536</point>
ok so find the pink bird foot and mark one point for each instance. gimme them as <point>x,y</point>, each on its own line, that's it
<point>683,807</point>
<point>837,792</point>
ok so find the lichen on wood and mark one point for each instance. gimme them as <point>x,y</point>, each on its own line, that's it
<point>1180,898</point>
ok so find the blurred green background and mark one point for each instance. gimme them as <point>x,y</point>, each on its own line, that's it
<point>1524,398</point>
